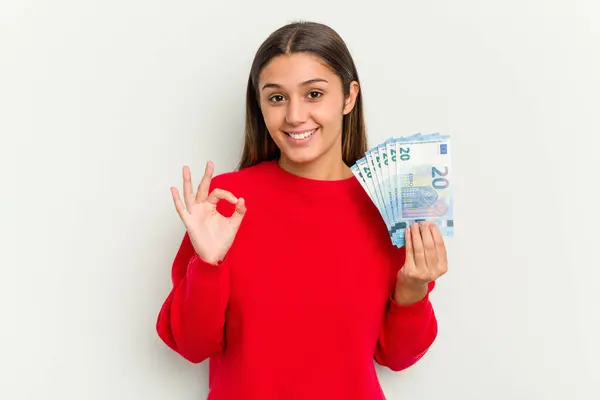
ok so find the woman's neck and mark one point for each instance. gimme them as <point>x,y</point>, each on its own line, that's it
<point>319,169</point>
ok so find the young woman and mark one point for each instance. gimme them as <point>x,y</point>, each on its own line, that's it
<point>286,277</point>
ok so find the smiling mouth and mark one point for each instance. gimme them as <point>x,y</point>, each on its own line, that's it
<point>301,135</point>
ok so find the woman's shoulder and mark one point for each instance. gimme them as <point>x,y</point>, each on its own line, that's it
<point>251,183</point>
<point>245,178</point>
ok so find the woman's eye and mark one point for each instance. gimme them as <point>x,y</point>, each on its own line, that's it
<point>314,95</point>
<point>276,98</point>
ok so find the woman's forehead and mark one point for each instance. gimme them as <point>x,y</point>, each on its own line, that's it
<point>298,69</point>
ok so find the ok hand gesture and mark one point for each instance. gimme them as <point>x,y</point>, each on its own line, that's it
<point>210,232</point>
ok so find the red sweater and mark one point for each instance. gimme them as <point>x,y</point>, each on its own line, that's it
<point>302,304</point>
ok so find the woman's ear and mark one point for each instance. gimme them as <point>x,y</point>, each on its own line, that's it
<point>351,98</point>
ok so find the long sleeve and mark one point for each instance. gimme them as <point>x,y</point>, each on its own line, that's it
<point>407,333</point>
<point>192,318</point>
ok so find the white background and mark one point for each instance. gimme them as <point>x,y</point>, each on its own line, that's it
<point>102,102</point>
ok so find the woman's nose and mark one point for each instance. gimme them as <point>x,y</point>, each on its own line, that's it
<point>297,112</point>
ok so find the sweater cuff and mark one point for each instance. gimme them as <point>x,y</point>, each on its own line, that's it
<point>197,265</point>
<point>416,309</point>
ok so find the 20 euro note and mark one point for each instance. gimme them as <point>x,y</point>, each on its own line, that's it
<point>391,162</point>
<point>381,166</point>
<point>425,186</point>
<point>373,171</point>
<point>374,162</point>
<point>363,172</point>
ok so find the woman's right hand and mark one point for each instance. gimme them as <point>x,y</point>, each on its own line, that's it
<point>210,232</point>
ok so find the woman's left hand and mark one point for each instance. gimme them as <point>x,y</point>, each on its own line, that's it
<point>425,262</point>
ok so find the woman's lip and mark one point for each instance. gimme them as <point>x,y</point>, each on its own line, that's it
<point>301,141</point>
<point>301,132</point>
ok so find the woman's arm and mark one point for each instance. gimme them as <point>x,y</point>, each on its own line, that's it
<point>410,325</point>
<point>407,334</point>
<point>192,318</point>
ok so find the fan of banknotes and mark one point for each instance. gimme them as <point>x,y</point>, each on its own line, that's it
<point>409,179</point>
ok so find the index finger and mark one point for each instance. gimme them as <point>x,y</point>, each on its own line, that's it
<point>204,185</point>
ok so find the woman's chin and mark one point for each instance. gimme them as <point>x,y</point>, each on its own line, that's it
<point>299,157</point>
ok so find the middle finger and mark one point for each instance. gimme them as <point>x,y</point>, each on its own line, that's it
<point>428,244</point>
<point>417,244</point>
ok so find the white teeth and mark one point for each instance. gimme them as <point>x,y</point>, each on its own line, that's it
<point>300,136</point>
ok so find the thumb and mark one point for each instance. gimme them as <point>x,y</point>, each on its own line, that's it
<point>238,214</point>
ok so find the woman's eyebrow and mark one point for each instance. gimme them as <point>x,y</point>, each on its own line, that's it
<point>308,82</point>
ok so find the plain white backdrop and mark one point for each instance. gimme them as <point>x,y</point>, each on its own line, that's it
<point>102,102</point>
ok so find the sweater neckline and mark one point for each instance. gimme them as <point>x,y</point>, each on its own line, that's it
<point>289,181</point>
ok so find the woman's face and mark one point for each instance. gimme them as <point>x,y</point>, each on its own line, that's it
<point>302,103</point>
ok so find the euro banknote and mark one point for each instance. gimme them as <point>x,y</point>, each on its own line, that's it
<point>409,178</point>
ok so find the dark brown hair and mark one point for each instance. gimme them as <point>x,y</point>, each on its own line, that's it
<point>324,42</point>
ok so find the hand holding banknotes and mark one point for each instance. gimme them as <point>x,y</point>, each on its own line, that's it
<point>426,260</point>
<point>409,179</point>
<point>210,232</point>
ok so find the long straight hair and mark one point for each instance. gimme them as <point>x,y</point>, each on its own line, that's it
<point>324,42</point>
